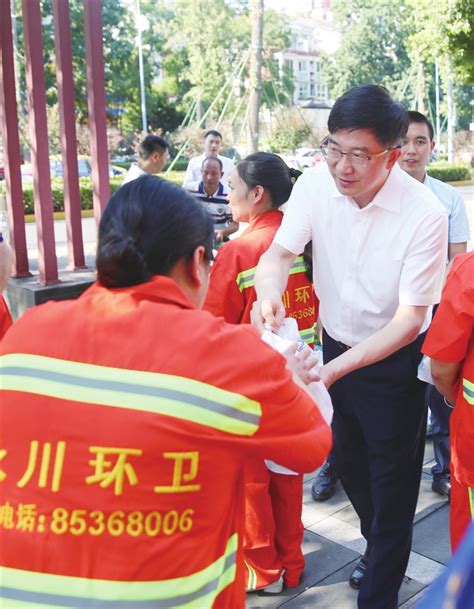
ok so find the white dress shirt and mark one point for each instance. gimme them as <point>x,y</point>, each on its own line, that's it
<point>193,170</point>
<point>134,172</point>
<point>455,206</point>
<point>367,261</point>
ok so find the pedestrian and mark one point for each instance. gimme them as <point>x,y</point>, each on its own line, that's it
<point>259,186</point>
<point>379,248</point>
<point>128,420</point>
<point>417,148</point>
<point>153,153</point>
<point>212,192</point>
<point>212,146</point>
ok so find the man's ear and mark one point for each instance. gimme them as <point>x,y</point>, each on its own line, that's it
<point>392,157</point>
<point>433,144</point>
<point>195,266</point>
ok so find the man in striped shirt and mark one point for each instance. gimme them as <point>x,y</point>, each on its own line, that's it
<point>212,192</point>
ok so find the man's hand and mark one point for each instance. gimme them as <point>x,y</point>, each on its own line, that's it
<point>301,363</point>
<point>270,311</point>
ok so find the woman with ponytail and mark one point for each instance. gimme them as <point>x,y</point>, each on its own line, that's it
<point>127,423</point>
<point>259,185</point>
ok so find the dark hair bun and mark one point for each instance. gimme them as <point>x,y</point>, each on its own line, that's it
<point>294,174</point>
<point>120,263</point>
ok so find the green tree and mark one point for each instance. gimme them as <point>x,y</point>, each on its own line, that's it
<point>373,48</point>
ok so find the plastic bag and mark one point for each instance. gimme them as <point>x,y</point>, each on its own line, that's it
<point>424,370</point>
<point>287,334</point>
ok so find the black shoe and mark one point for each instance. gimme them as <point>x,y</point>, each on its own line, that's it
<point>357,575</point>
<point>324,486</point>
<point>442,486</point>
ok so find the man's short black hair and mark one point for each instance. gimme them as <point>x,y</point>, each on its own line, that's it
<point>215,159</point>
<point>213,132</point>
<point>418,117</point>
<point>151,144</point>
<point>370,107</point>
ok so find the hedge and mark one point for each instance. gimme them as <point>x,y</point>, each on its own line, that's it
<point>449,173</point>
<point>85,190</point>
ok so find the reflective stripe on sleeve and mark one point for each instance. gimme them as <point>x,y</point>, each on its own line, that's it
<point>307,335</point>
<point>192,592</point>
<point>470,492</point>
<point>163,394</point>
<point>468,391</point>
<point>246,279</point>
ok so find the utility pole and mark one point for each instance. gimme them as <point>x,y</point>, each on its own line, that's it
<point>438,134</point>
<point>451,118</point>
<point>141,71</point>
<point>255,75</point>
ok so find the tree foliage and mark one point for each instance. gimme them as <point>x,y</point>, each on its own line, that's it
<point>373,48</point>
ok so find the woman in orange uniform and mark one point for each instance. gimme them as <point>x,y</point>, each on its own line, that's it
<point>450,344</point>
<point>259,185</point>
<point>127,424</point>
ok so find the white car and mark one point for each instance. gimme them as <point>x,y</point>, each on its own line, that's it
<point>303,157</point>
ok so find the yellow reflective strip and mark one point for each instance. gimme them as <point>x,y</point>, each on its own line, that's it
<point>298,266</point>
<point>245,279</point>
<point>99,589</point>
<point>252,578</point>
<point>231,412</point>
<point>468,391</point>
<point>470,492</point>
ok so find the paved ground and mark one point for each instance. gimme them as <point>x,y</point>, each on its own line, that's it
<point>333,543</point>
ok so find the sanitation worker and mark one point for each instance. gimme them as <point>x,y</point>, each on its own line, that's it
<point>128,417</point>
<point>259,185</point>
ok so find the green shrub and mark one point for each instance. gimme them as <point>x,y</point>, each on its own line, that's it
<point>85,191</point>
<point>449,173</point>
<point>180,165</point>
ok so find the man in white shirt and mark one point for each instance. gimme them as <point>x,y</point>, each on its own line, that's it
<point>417,147</point>
<point>379,242</point>
<point>152,155</point>
<point>212,145</point>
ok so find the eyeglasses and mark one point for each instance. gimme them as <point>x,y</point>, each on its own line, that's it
<point>358,159</point>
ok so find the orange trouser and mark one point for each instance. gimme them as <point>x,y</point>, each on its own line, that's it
<point>461,511</point>
<point>273,528</point>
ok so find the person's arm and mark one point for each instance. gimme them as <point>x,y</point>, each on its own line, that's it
<point>188,176</point>
<point>446,377</point>
<point>399,332</point>
<point>271,278</point>
<point>454,249</point>
<point>232,227</point>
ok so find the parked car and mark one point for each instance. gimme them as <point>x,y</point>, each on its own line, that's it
<point>56,168</point>
<point>303,157</point>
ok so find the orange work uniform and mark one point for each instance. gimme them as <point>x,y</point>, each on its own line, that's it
<point>5,317</point>
<point>451,339</point>
<point>273,528</point>
<point>126,426</point>
<point>232,293</point>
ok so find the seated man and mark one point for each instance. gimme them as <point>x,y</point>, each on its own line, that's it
<point>212,145</point>
<point>152,156</point>
<point>211,191</point>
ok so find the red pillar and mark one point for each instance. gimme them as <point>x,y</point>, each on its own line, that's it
<point>72,198</point>
<point>11,144</point>
<point>96,105</point>
<point>38,132</point>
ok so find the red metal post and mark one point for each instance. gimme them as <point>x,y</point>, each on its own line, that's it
<point>72,198</point>
<point>11,144</point>
<point>96,105</point>
<point>38,132</point>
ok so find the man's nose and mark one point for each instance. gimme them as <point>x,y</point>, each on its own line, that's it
<point>345,163</point>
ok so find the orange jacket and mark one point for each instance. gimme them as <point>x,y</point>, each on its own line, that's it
<point>5,317</point>
<point>450,339</point>
<point>128,416</point>
<point>231,291</point>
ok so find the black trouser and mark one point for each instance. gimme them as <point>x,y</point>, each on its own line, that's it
<point>440,415</point>
<point>379,431</point>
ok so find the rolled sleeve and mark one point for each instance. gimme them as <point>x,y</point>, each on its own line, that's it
<point>423,269</point>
